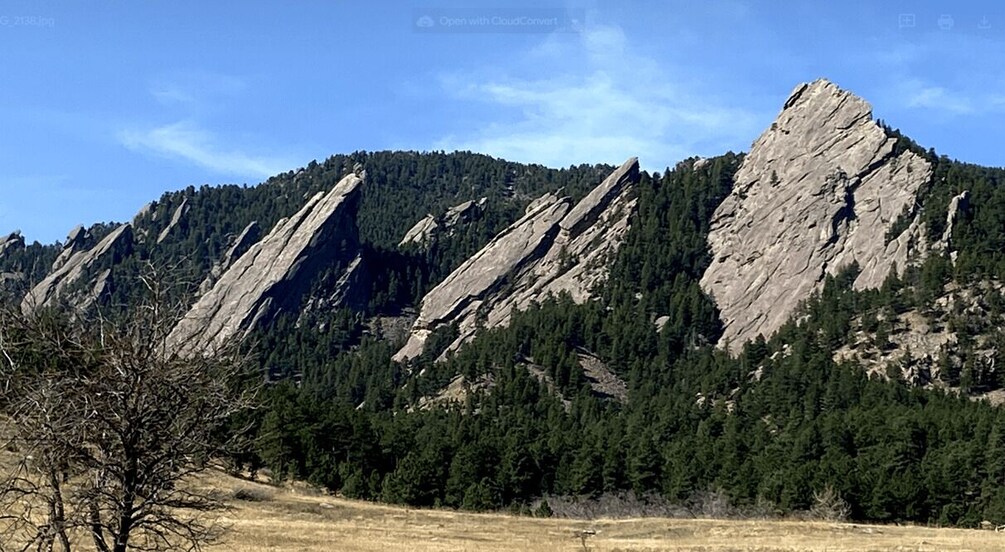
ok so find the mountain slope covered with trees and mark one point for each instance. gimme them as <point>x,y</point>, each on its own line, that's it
<point>873,401</point>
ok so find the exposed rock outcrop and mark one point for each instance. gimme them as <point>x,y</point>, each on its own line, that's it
<point>602,380</point>
<point>349,290</point>
<point>11,243</point>
<point>604,383</point>
<point>394,329</point>
<point>555,247</point>
<point>431,226</point>
<point>275,273</point>
<point>958,204</point>
<point>457,392</point>
<point>142,220</point>
<point>145,211</point>
<point>463,212</point>
<point>79,239</point>
<point>461,294</point>
<point>74,265</point>
<point>102,285</point>
<point>11,281</point>
<point>422,232</point>
<point>176,219</point>
<point>251,234</point>
<point>918,344</point>
<point>818,191</point>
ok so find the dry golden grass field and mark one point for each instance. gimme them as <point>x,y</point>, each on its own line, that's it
<point>287,520</point>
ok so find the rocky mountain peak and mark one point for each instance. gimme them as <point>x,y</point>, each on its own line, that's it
<point>176,220</point>
<point>74,266</point>
<point>556,247</point>
<point>79,239</point>
<point>819,190</point>
<point>12,242</point>
<point>274,274</point>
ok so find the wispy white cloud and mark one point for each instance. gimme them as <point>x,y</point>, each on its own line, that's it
<point>195,87</point>
<point>945,75</point>
<point>171,94</point>
<point>191,99</point>
<point>918,95</point>
<point>949,101</point>
<point>188,141</point>
<point>610,104</point>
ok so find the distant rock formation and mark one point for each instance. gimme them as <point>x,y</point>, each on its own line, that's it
<point>176,218</point>
<point>145,211</point>
<point>431,226</point>
<point>75,264</point>
<point>79,239</point>
<point>10,281</point>
<point>349,290</point>
<point>958,204</point>
<point>463,212</point>
<point>819,190</point>
<point>13,242</point>
<point>422,232</point>
<point>555,247</point>
<point>275,273</point>
<point>251,234</point>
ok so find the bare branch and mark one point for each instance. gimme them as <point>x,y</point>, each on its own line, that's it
<point>109,428</point>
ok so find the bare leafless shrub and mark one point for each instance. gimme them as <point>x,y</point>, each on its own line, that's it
<point>829,506</point>
<point>609,505</point>
<point>713,504</point>
<point>107,427</point>
<point>762,508</point>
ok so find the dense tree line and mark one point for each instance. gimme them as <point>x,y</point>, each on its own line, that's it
<point>401,188</point>
<point>773,425</point>
<point>776,424</point>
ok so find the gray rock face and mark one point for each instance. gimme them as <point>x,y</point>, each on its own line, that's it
<point>463,212</point>
<point>79,239</point>
<point>10,281</point>
<point>102,285</point>
<point>818,191</point>
<point>555,247</point>
<point>251,234</point>
<point>959,203</point>
<point>141,222</point>
<point>77,235</point>
<point>11,243</point>
<point>431,226</point>
<point>145,211</point>
<point>76,266</point>
<point>602,380</point>
<point>421,233</point>
<point>274,274</point>
<point>176,219</point>
<point>350,290</point>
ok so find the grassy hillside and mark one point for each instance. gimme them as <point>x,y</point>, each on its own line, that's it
<point>267,518</point>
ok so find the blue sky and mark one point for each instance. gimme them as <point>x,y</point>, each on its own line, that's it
<point>106,105</point>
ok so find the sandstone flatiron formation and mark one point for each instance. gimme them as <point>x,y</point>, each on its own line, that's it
<point>555,247</point>
<point>240,245</point>
<point>13,242</point>
<point>75,265</point>
<point>430,227</point>
<point>819,190</point>
<point>275,273</point>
